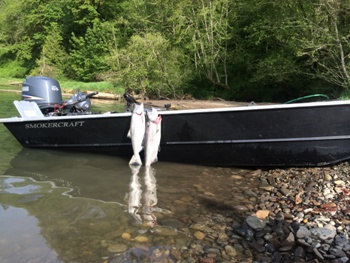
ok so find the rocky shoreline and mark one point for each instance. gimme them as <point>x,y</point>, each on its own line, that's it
<point>292,215</point>
<point>302,216</point>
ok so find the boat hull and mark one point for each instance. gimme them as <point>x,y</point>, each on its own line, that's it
<point>308,134</point>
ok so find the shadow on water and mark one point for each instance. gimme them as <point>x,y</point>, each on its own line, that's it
<point>86,207</point>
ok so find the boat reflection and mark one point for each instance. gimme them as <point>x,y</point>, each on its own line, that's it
<point>93,176</point>
<point>54,226</point>
<point>77,202</point>
<point>142,204</point>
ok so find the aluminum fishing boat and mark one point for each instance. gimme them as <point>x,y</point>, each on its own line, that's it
<point>296,134</point>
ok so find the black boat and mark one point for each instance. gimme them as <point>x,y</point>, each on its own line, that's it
<point>297,134</point>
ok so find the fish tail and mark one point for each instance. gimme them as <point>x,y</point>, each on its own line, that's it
<point>135,160</point>
<point>152,162</point>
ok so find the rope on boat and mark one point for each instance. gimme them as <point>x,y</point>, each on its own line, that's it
<point>307,97</point>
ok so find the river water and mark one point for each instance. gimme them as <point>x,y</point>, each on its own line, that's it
<point>61,206</point>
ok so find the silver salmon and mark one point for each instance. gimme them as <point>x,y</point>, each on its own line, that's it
<point>137,133</point>
<point>152,137</point>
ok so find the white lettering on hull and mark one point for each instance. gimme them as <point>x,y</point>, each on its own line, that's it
<point>44,125</point>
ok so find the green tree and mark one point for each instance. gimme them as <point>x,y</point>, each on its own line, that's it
<point>88,53</point>
<point>53,59</point>
<point>269,33</point>
<point>203,31</point>
<point>237,49</point>
<point>149,66</point>
<point>324,41</point>
<point>297,41</point>
<point>24,26</point>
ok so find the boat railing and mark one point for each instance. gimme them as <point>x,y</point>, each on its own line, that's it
<point>307,97</point>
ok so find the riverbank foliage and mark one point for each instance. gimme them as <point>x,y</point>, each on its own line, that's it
<point>241,49</point>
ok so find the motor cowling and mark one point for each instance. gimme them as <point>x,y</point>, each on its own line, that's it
<point>79,102</point>
<point>45,91</point>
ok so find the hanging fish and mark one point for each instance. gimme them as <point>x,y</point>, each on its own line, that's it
<point>137,133</point>
<point>152,137</point>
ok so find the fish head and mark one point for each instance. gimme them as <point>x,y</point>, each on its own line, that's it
<point>138,108</point>
<point>152,115</point>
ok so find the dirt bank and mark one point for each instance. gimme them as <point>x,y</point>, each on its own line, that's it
<point>177,104</point>
<point>194,104</point>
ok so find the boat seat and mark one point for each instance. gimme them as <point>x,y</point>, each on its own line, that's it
<point>28,109</point>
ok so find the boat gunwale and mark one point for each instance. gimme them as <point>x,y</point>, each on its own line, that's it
<point>183,111</point>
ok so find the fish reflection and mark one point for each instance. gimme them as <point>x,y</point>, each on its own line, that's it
<point>142,203</point>
<point>134,200</point>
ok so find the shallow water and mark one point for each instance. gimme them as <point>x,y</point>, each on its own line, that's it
<point>59,206</point>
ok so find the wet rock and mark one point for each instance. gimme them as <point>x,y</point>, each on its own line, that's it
<point>172,222</point>
<point>199,235</point>
<point>289,241</point>
<point>262,214</point>
<point>206,260</point>
<point>323,233</point>
<point>303,232</point>
<point>140,239</point>
<point>165,231</point>
<point>290,215</point>
<point>285,191</point>
<point>255,223</point>
<point>230,251</point>
<point>249,192</point>
<point>337,252</point>
<point>267,188</point>
<point>244,231</point>
<point>317,254</point>
<point>117,248</point>
<point>299,252</point>
<point>239,207</point>
<point>126,236</point>
<point>258,247</point>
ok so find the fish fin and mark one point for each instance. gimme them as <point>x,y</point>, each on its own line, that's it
<point>135,160</point>
<point>129,134</point>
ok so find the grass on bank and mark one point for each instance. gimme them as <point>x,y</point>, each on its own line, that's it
<point>70,86</point>
<point>345,95</point>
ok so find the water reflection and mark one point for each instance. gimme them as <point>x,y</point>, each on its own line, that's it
<point>142,203</point>
<point>75,204</point>
<point>41,222</point>
<point>97,177</point>
<point>20,239</point>
<point>134,197</point>
<point>90,207</point>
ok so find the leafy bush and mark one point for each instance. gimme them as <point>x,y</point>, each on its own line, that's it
<point>12,69</point>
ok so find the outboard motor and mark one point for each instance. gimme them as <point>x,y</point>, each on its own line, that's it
<point>79,102</point>
<point>46,92</point>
